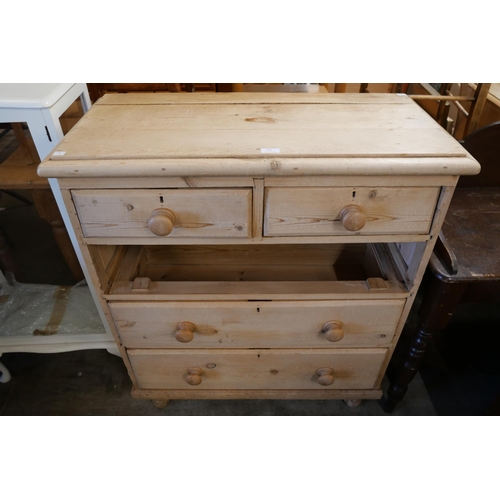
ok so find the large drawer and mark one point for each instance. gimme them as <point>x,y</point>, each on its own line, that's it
<point>293,324</point>
<point>316,211</point>
<point>177,212</point>
<point>257,369</point>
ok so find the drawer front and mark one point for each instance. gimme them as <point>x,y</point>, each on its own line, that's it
<point>146,212</point>
<point>257,369</point>
<point>292,324</point>
<point>319,211</point>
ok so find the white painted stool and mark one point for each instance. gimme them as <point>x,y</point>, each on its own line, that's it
<point>40,105</point>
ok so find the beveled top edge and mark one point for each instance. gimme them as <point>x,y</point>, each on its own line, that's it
<point>270,167</point>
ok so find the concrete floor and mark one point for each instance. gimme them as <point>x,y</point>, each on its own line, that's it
<point>460,381</point>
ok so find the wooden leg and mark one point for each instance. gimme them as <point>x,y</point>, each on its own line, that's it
<point>46,206</point>
<point>435,313</point>
<point>160,403</point>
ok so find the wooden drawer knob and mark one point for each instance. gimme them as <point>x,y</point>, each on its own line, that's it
<point>194,376</point>
<point>161,222</point>
<point>353,218</point>
<point>333,331</point>
<point>325,376</point>
<point>185,331</point>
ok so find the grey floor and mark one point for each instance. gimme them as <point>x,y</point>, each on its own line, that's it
<point>457,381</point>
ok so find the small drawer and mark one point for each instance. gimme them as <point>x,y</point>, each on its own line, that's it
<point>170,213</point>
<point>280,324</point>
<point>257,369</point>
<point>316,211</point>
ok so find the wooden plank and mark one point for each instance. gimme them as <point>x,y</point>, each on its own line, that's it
<point>282,181</point>
<point>476,108</point>
<point>247,98</point>
<point>242,272</point>
<point>272,255</point>
<point>256,369</point>
<point>361,181</point>
<point>256,394</point>
<point>268,240</point>
<point>306,130</point>
<point>158,182</point>
<point>439,97</point>
<point>293,324</point>
<point>256,290</point>
<point>317,211</point>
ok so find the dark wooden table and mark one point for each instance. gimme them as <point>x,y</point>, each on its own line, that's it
<point>465,266</point>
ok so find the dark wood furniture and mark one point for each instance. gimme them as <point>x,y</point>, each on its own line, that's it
<point>97,90</point>
<point>18,172</point>
<point>465,265</point>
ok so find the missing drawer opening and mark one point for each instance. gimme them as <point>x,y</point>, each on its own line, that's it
<point>258,270</point>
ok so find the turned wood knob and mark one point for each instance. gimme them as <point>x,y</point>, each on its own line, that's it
<point>353,218</point>
<point>161,222</point>
<point>185,331</point>
<point>194,376</point>
<point>325,376</point>
<point>333,331</point>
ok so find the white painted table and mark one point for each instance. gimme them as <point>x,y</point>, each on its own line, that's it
<point>40,105</point>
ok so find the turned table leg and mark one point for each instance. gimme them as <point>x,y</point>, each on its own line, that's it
<point>435,313</point>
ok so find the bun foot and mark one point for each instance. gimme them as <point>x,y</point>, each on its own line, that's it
<point>352,403</point>
<point>160,403</point>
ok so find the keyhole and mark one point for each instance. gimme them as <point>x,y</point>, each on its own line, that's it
<point>258,309</point>
<point>354,194</point>
<point>161,199</point>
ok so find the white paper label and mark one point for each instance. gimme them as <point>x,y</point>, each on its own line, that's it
<point>269,150</point>
<point>59,153</point>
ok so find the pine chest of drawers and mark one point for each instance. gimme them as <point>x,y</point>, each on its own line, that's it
<point>255,245</point>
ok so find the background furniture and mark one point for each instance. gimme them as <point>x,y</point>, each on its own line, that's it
<point>438,103</point>
<point>465,266</point>
<point>17,174</point>
<point>40,105</point>
<point>272,251</point>
<point>97,90</point>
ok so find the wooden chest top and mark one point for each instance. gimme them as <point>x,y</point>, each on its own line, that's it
<point>257,134</point>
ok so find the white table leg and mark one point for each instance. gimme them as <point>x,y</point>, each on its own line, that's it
<point>85,98</point>
<point>36,124</point>
<point>51,117</point>
<point>114,350</point>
